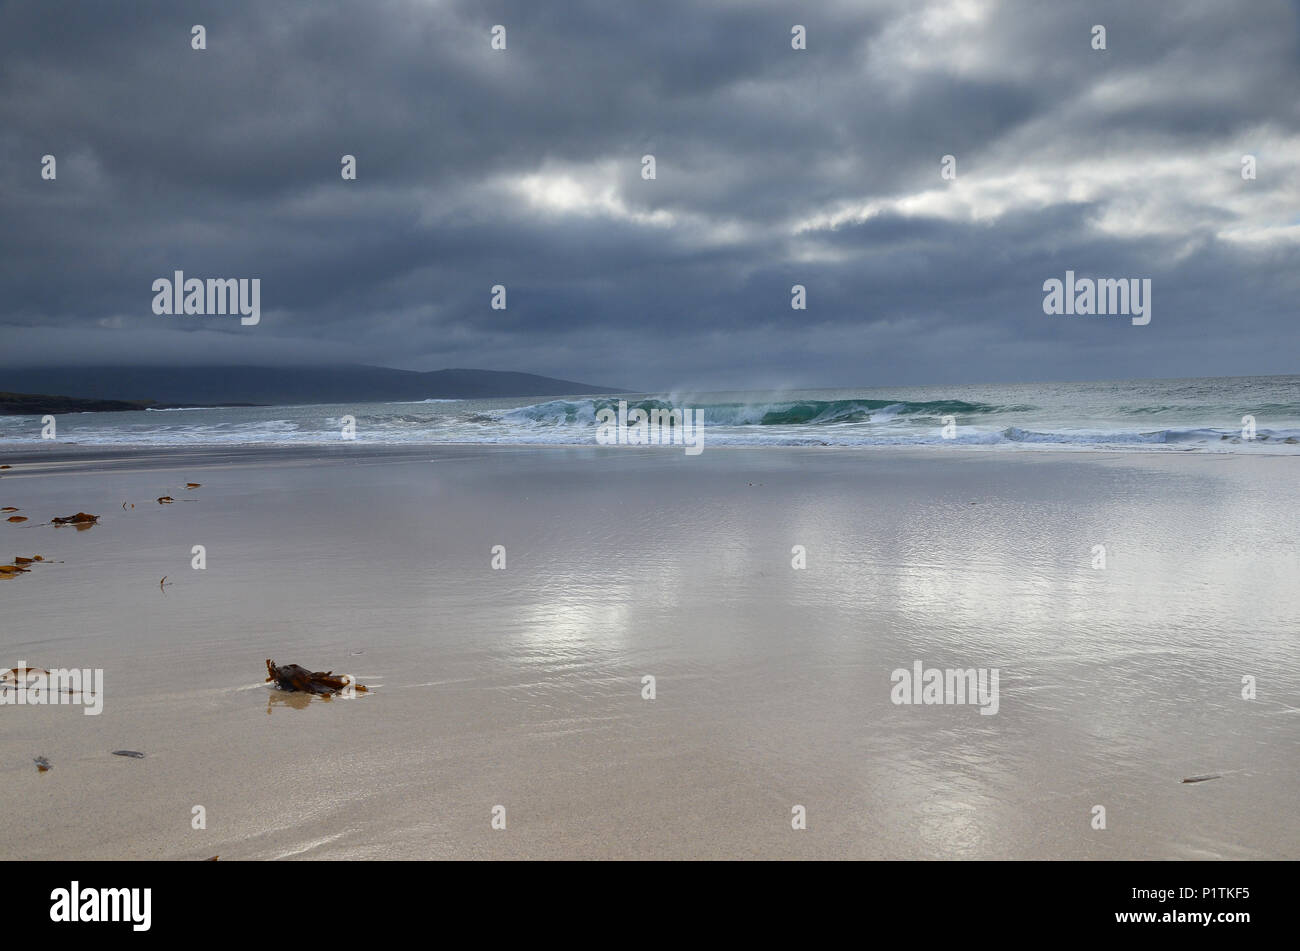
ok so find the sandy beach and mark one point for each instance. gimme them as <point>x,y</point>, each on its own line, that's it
<point>523,687</point>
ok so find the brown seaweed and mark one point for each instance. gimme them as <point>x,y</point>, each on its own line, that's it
<point>81,518</point>
<point>131,753</point>
<point>293,677</point>
<point>165,500</point>
<point>15,672</point>
<point>42,764</point>
<point>1202,779</point>
<point>17,518</point>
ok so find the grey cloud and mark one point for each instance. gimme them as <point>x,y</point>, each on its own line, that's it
<point>523,168</point>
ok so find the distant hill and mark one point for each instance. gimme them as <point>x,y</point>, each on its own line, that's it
<point>191,386</point>
<point>33,404</point>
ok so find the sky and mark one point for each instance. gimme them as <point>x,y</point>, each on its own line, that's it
<point>774,166</point>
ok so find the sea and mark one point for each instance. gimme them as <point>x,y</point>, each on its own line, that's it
<point>1221,414</point>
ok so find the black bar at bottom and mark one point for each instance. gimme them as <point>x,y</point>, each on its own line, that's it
<point>326,902</point>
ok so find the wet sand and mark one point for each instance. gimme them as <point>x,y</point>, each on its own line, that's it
<point>523,687</point>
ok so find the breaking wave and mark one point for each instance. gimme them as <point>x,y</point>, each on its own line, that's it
<point>1178,416</point>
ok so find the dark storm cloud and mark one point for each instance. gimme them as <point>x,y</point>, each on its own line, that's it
<point>775,167</point>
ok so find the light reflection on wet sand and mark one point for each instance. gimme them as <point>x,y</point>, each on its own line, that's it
<point>523,687</point>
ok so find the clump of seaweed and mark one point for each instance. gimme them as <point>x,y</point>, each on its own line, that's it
<point>81,518</point>
<point>18,676</point>
<point>19,565</point>
<point>293,677</point>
